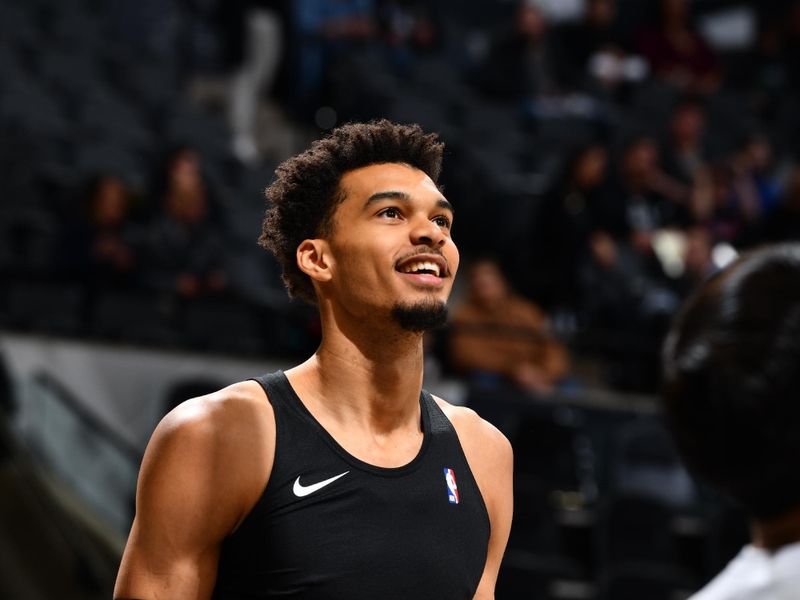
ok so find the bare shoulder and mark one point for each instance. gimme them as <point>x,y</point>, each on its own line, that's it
<point>475,432</point>
<point>204,468</point>
<point>241,404</point>
<point>224,441</point>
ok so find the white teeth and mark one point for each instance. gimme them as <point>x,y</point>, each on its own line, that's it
<point>421,266</point>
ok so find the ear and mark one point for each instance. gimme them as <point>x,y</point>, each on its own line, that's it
<point>314,259</point>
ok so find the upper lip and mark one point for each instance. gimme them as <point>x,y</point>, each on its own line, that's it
<point>434,258</point>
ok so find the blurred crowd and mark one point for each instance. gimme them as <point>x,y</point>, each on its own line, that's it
<point>608,154</point>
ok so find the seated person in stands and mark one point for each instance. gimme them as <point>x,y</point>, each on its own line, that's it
<point>523,62</point>
<point>684,152</point>
<point>731,381</point>
<point>500,334</point>
<point>597,46</point>
<point>101,246</point>
<point>677,53</point>
<point>185,253</point>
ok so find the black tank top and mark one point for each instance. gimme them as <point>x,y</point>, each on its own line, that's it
<point>331,527</point>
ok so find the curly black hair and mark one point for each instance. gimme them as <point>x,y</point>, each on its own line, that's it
<point>302,199</point>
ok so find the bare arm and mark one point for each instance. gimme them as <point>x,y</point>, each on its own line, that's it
<point>202,472</point>
<point>491,460</point>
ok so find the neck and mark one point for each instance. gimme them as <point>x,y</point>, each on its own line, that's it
<point>772,534</point>
<point>365,375</point>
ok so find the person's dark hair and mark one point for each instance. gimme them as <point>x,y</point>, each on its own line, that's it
<point>731,380</point>
<point>305,193</point>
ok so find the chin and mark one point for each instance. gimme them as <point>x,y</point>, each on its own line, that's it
<point>421,315</point>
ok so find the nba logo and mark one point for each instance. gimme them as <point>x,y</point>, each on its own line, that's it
<point>452,487</point>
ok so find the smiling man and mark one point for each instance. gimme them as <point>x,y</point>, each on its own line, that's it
<point>340,478</point>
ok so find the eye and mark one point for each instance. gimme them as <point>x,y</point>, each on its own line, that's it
<point>390,212</point>
<point>442,221</point>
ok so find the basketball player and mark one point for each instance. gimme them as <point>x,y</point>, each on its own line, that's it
<point>340,478</point>
<point>732,375</point>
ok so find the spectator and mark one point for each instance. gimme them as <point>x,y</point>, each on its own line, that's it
<point>730,398</point>
<point>596,46</point>
<point>784,223</point>
<point>499,335</point>
<point>101,247</point>
<point>522,63</point>
<point>624,311</point>
<point>697,261</point>
<point>684,151</point>
<point>409,29</point>
<point>753,178</point>
<point>185,250</point>
<point>570,213</point>
<point>325,32</point>
<point>645,199</point>
<point>677,53</point>
<point>728,208</point>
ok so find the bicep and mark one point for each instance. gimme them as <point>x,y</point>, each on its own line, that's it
<point>181,516</point>
<point>148,573</point>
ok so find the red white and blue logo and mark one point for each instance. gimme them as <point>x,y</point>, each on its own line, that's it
<point>452,486</point>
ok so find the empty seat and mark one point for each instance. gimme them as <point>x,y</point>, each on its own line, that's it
<point>45,307</point>
<point>635,527</point>
<point>638,580</point>
<point>644,461</point>
<point>528,576</point>
<point>135,317</point>
<point>551,448</point>
<point>224,327</point>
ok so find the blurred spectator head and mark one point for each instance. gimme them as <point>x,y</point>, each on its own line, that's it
<point>603,250</point>
<point>109,202</point>
<point>530,22</point>
<point>756,154</point>
<point>687,124</point>
<point>601,13</point>
<point>731,380</point>
<point>185,194</point>
<point>587,167</point>
<point>305,193</point>
<point>674,13</point>
<point>487,284</point>
<point>183,172</point>
<point>640,158</point>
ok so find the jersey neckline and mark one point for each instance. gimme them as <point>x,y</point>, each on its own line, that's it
<point>295,403</point>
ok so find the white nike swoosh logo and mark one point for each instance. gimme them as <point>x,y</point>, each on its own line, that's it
<point>305,490</point>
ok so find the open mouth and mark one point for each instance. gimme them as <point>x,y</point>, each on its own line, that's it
<point>421,268</point>
<point>431,267</point>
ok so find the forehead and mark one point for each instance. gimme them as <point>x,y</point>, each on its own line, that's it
<point>361,183</point>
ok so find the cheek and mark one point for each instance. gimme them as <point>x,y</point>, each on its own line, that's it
<point>453,257</point>
<point>359,261</point>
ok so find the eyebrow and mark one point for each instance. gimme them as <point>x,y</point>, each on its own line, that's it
<point>404,197</point>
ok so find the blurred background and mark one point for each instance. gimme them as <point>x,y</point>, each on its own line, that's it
<point>603,156</point>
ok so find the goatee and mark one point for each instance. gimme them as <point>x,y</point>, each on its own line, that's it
<point>420,317</point>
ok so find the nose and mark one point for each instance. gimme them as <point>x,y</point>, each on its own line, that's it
<point>428,233</point>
